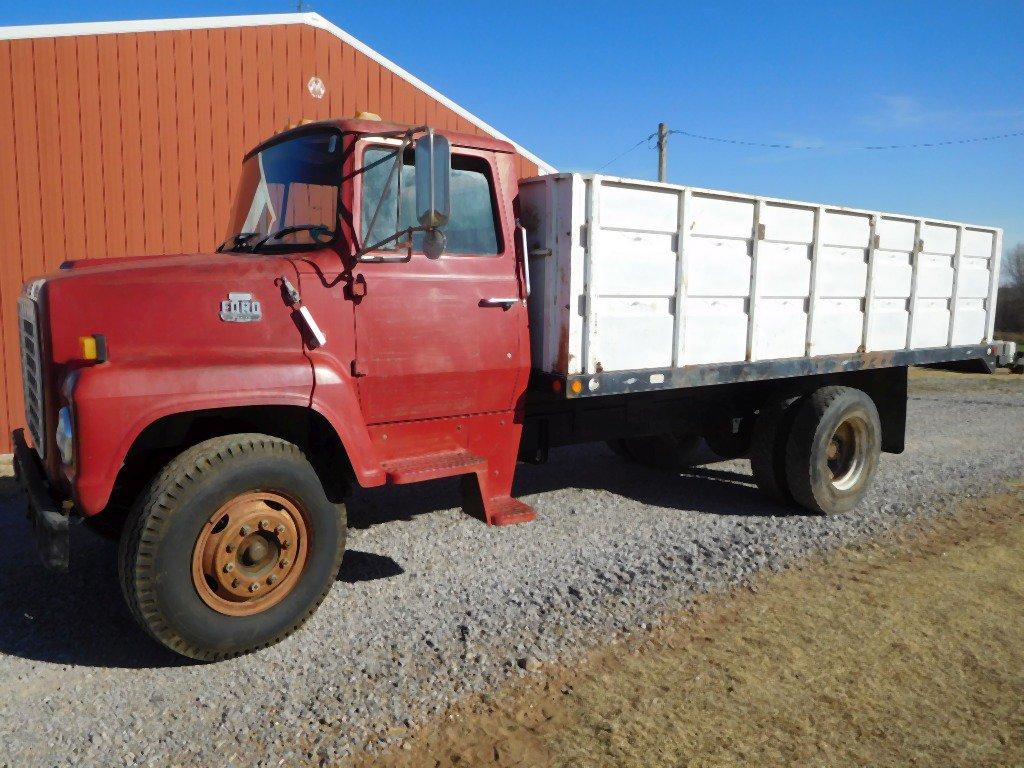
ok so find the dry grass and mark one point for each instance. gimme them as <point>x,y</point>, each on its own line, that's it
<point>908,653</point>
<point>961,385</point>
<point>1009,336</point>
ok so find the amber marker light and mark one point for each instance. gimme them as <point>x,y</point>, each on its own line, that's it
<point>576,387</point>
<point>94,348</point>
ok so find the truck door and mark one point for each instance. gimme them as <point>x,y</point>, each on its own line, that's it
<point>434,337</point>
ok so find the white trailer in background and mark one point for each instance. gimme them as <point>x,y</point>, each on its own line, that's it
<point>641,285</point>
<point>778,329</point>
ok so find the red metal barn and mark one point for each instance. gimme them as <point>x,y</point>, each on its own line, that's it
<point>125,137</point>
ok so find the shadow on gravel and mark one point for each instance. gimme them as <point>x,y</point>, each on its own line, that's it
<point>717,490</point>
<point>80,617</point>
<point>366,566</point>
<point>67,618</point>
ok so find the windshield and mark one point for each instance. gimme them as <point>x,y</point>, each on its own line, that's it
<point>288,195</point>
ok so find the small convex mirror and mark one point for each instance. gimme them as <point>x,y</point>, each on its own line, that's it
<point>433,169</point>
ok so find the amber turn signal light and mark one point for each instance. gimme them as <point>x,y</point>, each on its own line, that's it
<point>94,347</point>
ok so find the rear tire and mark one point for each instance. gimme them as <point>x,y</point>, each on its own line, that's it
<point>288,541</point>
<point>768,447</point>
<point>726,441</point>
<point>833,449</point>
<point>618,447</point>
<point>668,451</point>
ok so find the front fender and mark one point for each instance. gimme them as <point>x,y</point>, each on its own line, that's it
<point>115,401</point>
<point>334,398</point>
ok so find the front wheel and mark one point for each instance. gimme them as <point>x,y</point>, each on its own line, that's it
<point>232,547</point>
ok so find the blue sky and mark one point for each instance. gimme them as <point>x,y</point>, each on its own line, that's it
<point>579,83</point>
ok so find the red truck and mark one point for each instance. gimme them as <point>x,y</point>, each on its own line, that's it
<point>367,322</point>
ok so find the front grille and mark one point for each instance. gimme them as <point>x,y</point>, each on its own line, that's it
<point>32,370</point>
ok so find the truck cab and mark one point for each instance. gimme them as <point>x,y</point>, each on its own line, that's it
<point>364,322</point>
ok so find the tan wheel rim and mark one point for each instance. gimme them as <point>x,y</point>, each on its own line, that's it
<point>846,455</point>
<point>250,554</point>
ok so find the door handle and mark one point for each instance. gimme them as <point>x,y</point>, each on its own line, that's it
<point>495,302</point>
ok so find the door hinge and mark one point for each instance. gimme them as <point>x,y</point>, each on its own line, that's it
<point>357,370</point>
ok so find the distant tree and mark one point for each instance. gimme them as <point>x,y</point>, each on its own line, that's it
<point>1013,267</point>
<point>1010,306</point>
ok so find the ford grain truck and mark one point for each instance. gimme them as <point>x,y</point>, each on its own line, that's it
<point>392,305</point>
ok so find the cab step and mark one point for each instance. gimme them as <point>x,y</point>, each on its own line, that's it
<point>433,466</point>
<point>496,510</point>
<point>505,510</point>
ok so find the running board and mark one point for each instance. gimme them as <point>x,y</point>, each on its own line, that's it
<point>497,510</point>
<point>433,466</point>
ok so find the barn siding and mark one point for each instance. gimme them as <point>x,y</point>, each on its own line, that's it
<point>130,143</point>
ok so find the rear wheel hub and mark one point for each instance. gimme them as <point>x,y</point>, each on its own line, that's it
<point>847,453</point>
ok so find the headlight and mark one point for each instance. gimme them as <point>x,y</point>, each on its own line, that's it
<point>65,436</point>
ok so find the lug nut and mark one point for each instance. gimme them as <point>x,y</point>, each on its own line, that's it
<point>286,544</point>
<point>279,530</point>
<point>234,583</point>
<point>245,530</point>
<point>254,587</point>
<point>229,567</point>
<point>229,548</point>
<point>285,562</point>
<point>264,525</point>
<point>272,579</point>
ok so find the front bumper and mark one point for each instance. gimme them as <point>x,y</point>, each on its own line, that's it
<point>50,523</point>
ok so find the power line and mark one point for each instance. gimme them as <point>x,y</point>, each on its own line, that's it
<point>619,157</point>
<point>943,143</point>
<point>780,145</point>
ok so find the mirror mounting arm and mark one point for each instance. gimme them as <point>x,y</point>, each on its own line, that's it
<point>433,206</point>
<point>361,253</point>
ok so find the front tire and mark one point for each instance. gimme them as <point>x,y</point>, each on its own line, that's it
<point>231,548</point>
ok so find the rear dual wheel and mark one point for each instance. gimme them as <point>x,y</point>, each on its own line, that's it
<point>727,436</point>
<point>669,451</point>
<point>820,451</point>
<point>833,449</point>
<point>232,547</point>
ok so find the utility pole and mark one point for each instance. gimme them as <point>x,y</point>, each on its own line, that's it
<point>662,150</point>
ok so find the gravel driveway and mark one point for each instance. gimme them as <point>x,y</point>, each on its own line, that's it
<point>430,603</point>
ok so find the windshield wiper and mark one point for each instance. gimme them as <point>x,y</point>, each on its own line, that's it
<point>236,241</point>
<point>314,231</point>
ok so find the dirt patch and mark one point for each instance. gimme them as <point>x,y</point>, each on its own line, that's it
<point>925,381</point>
<point>903,652</point>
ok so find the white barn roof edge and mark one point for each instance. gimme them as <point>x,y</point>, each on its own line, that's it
<point>258,20</point>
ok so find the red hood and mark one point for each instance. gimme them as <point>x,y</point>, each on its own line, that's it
<point>148,305</point>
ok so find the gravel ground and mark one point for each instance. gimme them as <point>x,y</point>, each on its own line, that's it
<point>430,604</point>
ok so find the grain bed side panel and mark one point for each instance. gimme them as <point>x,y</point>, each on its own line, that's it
<point>663,277</point>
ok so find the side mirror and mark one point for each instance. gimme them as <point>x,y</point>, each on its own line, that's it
<point>433,175</point>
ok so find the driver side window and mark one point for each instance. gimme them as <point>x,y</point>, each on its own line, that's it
<point>473,226</point>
